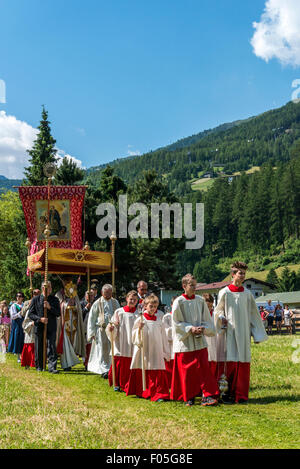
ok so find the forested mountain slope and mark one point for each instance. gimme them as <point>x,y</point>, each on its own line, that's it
<point>264,138</point>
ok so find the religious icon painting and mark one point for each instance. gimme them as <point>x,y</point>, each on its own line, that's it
<point>59,219</point>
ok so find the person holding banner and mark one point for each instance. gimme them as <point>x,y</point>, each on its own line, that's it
<point>36,314</point>
<point>151,349</point>
<point>119,332</point>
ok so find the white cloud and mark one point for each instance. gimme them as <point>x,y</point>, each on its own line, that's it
<point>277,33</point>
<point>16,137</point>
<point>132,152</point>
<point>62,154</point>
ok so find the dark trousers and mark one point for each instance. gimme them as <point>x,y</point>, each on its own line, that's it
<point>51,350</point>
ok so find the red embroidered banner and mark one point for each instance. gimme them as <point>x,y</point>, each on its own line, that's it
<point>65,215</point>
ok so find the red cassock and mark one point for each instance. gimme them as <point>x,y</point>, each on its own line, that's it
<point>27,357</point>
<point>192,376</point>
<point>122,372</point>
<point>169,369</point>
<point>157,384</point>
<point>238,376</point>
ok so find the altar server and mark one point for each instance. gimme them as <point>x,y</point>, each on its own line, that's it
<point>191,323</point>
<point>120,331</point>
<point>150,345</point>
<point>237,314</point>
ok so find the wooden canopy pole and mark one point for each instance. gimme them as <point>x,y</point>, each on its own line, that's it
<point>113,239</point>
<point>49,171</point>
<point>46,233</point>
<point>88,272</point>
<point>28,245</point>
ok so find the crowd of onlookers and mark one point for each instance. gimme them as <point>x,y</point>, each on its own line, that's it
<point>277,315</point>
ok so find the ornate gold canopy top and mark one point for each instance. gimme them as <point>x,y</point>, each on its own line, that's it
<point>71,261</point>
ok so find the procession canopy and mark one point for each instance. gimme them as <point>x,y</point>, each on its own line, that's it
<point>71,261</point>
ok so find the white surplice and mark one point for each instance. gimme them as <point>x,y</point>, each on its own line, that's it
<point>153,338</point>
<point>244,321</point>
<point>187,313</point>
<point>122,334</point>
<point>167,320</point>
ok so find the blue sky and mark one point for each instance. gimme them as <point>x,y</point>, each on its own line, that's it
<point>129,76</point>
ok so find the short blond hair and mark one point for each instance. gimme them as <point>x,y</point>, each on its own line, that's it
<point>151,299</point>
<point>133,293</point>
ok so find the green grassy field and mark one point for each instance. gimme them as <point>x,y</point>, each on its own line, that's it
<point>202,184</point>
<point>80,410</point>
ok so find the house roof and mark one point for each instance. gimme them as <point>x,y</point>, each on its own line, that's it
<point>212,286</point>
<point>285,297</point>
<point>256,280</point>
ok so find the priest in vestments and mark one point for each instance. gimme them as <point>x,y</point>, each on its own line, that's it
<point>237,313</point>
<point>100,315</point>
<point>71,339</point>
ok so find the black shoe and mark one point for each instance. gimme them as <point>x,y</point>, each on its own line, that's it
<point>243,401</point>
<point>226,399</point>
<point>105,375</point>
<point>67,369</point>
<point>190,402</point>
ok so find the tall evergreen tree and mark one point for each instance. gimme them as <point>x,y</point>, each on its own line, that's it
<point>206,270</point>
<point>272,277</point>
<point>286,281</point>
<point>42,152</point>
<point>277,211</point>
<point>68,173</point>
<point>154,258</point>
<point>13,253</point>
